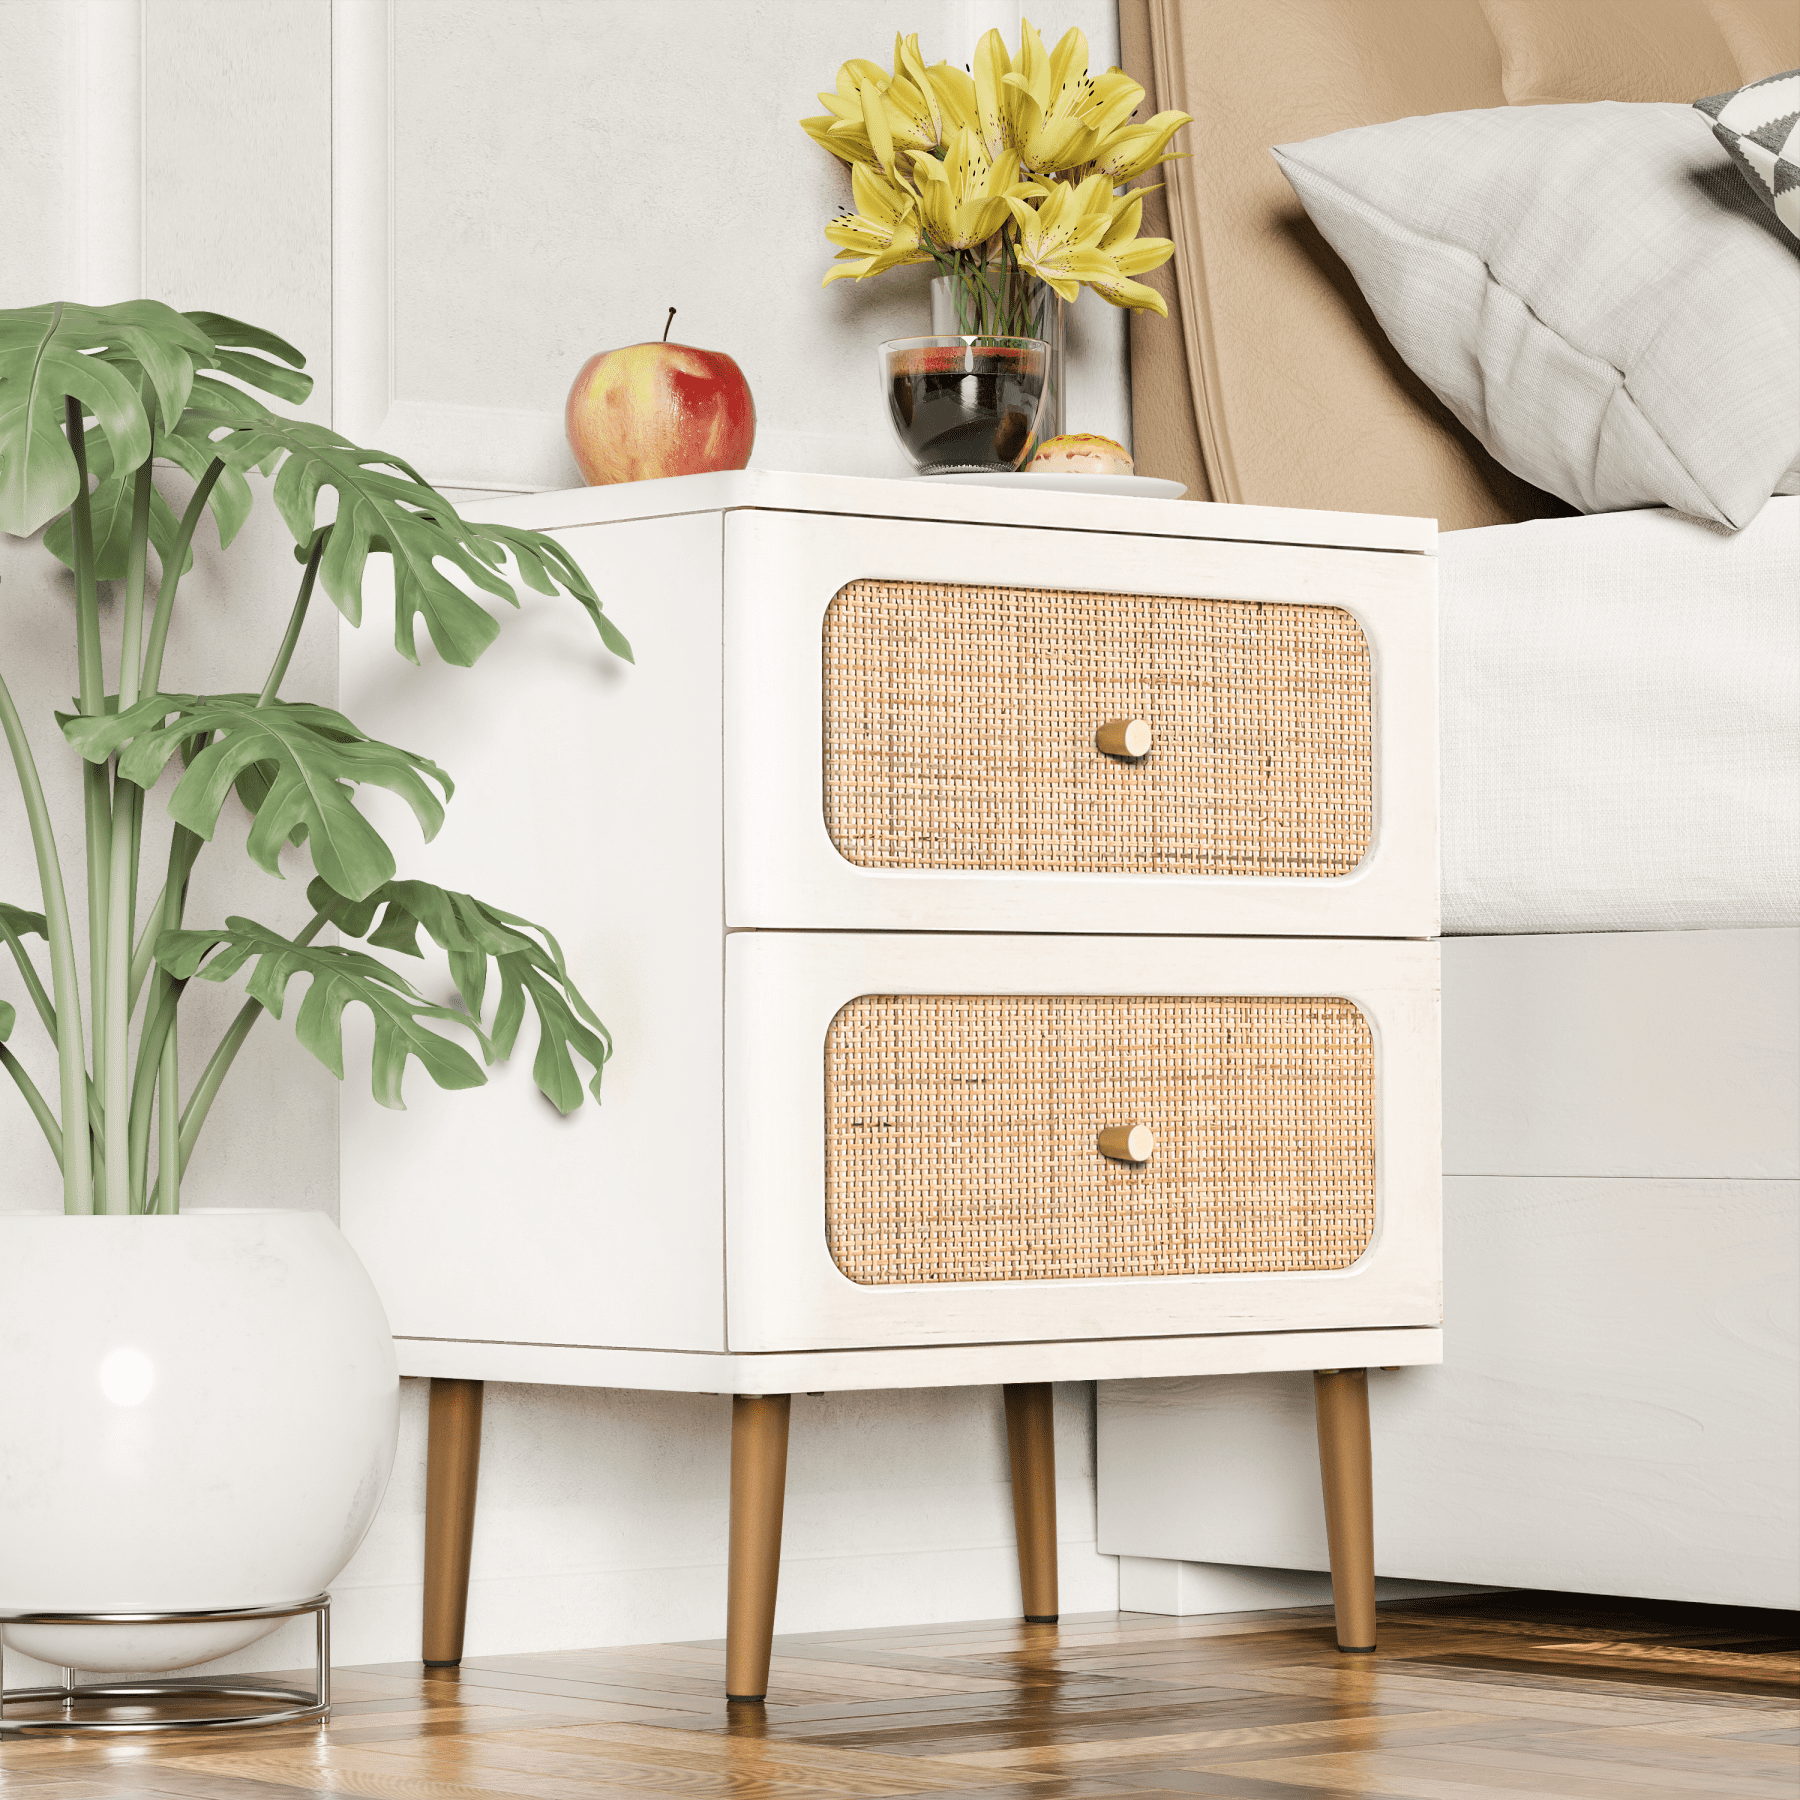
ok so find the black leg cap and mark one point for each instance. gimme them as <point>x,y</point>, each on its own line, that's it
<point>1042,1618</point>
<point>457,1664</point>
<point>747,1699</point>
<point>1356,1649</point>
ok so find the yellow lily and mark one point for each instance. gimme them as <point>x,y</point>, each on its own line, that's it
<point>1132,149</point>
<point>1050,97</point>
<point>963,198</point>
<point>1059,239</point>
<point>993,99</point>
<point>875,113</point>
<point>883,232</point>
<point>946,160</point>
<point>955,92</point>
<point>840,129</point>
<point>1057,114</point>
<point>1086,236</point>
<point>915,97</point>
<point>1131,255</point>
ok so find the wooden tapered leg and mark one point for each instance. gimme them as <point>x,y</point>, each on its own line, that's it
<point>451,1465</point>
<point>1031,1445</point>
<point>1341,1398</point>
<point>759,1442</point>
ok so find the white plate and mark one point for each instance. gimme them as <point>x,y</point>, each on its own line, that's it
<point>1138,487</point>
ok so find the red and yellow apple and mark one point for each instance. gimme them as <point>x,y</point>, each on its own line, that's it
<point>659,409</point>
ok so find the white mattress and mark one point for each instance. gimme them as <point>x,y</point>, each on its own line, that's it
<point>1621,724</point>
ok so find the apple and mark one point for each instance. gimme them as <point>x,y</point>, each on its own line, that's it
<point>659,409</point>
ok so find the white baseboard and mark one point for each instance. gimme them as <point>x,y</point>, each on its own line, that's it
<point>1156,1584</point>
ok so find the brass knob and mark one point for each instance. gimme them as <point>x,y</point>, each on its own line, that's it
<point>1127,738</point>
<point>1131,1143</point>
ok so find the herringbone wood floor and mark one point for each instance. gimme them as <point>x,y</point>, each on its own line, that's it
<point>1506,1695</point>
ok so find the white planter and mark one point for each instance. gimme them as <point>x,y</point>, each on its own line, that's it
<point>198,1412</point>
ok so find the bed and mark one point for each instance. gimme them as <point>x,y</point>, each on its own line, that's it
<point>1621,878</point>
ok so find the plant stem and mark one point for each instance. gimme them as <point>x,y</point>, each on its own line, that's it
<point>87,603</point>
<point>34,985</point>
<point>171,577</point>
<point>115,1081</point>
<point>168,1127</point>
<point>137,558</point>
<point>47,1013</point>
<point>78,1171</point>
<point>159,1021</point>
<point>96,806</point>
<point>296,619</point>
<point>96,798</point>
<point>165,911</point>
<point>35,1101</point>
<point>219,1064</point>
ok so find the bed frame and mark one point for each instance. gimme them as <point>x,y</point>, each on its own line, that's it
<point>1622,1152</point>
<point>1614,1413</point>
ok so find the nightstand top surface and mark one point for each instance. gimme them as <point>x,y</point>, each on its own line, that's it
<point>1057,509</point>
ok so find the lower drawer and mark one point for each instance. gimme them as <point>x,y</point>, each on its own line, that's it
<point>937,1139</point>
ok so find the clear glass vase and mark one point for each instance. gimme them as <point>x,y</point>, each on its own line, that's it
<point>1013,304</point>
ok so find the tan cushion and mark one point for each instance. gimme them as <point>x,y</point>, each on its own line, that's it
<point>1295,397</point>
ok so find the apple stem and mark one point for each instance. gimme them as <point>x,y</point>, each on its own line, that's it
<point>670,320</point>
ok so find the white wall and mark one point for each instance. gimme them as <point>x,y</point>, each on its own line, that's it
<point>449,205</point>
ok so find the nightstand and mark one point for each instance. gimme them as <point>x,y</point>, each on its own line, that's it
<point>1014,913</point>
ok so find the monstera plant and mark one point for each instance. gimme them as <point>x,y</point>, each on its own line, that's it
<point>227,1373</point>
<point>90,400</point>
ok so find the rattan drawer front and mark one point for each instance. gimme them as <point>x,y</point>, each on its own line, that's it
<point>960,1136</point>
<point>960,725</point>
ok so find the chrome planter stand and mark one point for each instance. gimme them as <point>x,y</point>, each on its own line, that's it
<point>299,1704</point>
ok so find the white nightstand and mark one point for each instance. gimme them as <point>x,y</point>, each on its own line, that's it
<point>894,911</point>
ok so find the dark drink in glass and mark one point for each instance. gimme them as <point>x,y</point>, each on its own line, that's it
<point>965,404</point>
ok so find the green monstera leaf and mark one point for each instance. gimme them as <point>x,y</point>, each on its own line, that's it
<point>338,978</point>
<point>544,566</point>
<point>475,934</point>
<point>22,923</point>
<point>107,358</point>
<point>43,360</point>
<point>311,758</point>
<point>385,507</point>
<point>110,504</point>
<point>243,352</point>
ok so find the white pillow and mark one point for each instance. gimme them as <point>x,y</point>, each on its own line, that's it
<point>1592,290</point>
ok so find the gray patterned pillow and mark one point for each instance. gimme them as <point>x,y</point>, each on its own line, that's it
<point>1760,125</point>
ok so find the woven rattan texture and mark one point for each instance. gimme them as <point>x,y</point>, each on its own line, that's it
<point>960,1136</point>
<point>959,732</point>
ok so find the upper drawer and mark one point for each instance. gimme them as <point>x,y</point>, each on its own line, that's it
<point>966,728</point>
<point>924,725</point>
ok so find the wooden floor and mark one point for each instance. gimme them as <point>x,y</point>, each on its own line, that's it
<point>1506,1695</point>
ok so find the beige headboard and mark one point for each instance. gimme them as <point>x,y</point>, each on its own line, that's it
<point>1270,382</point>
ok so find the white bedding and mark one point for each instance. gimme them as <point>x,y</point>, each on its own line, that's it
<point>1621,723</point>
